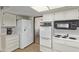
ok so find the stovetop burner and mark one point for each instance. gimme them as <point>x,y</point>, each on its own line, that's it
<point>58,36</point>
<point>72,38</point>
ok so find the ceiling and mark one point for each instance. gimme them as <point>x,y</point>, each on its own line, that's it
<point>28,10</point>
<point>33,10</point>
<point>21,10</point>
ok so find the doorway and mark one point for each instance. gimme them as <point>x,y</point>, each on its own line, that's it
<point>37,29</point>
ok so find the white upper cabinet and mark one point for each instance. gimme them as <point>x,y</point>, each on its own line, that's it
<point>48,17</point>
<point>59,15</point>
<point>67,15</point>
<point>9,20</point>
<point>72,14</point>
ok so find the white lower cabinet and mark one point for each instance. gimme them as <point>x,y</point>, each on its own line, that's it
<point>64,45</point>
<point>45,45</point>
<point>45,49</point>
<point>45,42</point>
<point>10,43</point>
<point>64,48</point>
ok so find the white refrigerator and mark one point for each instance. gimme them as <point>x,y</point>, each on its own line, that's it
<point>25,32</point>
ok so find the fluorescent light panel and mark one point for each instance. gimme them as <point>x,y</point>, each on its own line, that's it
<point>40,8</point>
<point>44,8</point>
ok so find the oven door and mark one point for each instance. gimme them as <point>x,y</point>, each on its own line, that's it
<point>45,36</point>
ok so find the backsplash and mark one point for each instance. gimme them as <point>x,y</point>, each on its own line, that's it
<point>63,31</point>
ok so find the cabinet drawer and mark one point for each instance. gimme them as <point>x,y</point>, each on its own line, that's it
<point>64,48</point>
<point>12,48</point>
<point>12,45</point>
<point>61,41</point>
<point>11,42</point>
<point>45,49</point>
<point>10,38</point>
<point>45,42</point>
<point>58,47</point>
<point>72,43</point>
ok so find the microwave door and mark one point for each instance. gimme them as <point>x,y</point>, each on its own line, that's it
<point>63,25</point>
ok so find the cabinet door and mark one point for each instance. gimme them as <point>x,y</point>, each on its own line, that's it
<point>9,20</point>
<point>59,15</point>
<point>71,14</point>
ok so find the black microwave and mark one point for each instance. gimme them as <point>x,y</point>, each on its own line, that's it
<point>66,24</point>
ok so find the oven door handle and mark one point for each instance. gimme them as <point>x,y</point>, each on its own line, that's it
<point>45,38</point>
